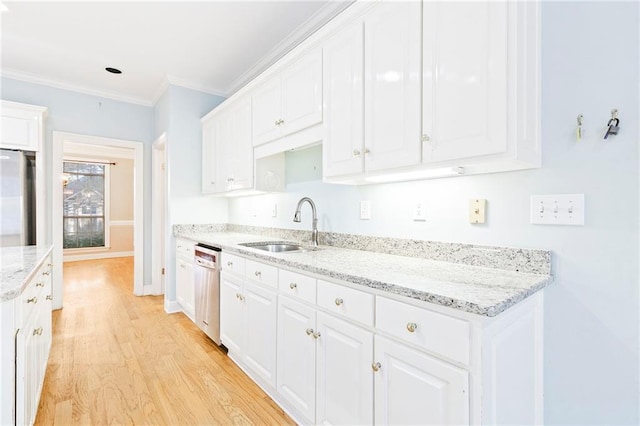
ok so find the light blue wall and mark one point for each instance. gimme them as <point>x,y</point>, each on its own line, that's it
<point>178,113</point>
<point>590,57</point>
<point>75,112</point>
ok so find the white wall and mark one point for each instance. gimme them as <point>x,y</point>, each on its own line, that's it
<point>590,64</point>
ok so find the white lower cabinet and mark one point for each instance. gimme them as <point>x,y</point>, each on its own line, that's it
<point>185,285</point>
<point>412,387</point>
<point>344,379</point>
<point>297,356</point>
<point>329,353</point>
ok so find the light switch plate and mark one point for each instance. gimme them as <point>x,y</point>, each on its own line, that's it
<point>419,211</point>
<point>560,209</point>
<point>477,210</point>
<point>274,210</point>
<point>365,210</point>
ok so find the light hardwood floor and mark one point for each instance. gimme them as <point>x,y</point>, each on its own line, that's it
<point>120,359</point>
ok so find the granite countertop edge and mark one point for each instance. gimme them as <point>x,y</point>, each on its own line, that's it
<point>18,280</point>
<point>394,288</point>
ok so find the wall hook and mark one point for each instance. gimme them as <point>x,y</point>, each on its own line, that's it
<point>614,124</point>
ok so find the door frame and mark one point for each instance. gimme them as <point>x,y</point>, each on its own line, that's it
<point>59,138</point>
<point>159,235</point>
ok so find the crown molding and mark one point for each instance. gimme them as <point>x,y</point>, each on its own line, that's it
<point>177,81</point>
<point>297,36</point>
<point>36,79</point>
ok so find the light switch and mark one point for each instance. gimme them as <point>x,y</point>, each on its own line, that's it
<point>561,209</point>
<point>365,210</point>
<point>477,210</point>
<point>419,211</point>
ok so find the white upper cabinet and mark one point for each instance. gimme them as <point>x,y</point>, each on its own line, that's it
<point>392,44</point>
<point>464,80</point>
<point>227,151</point>
<point>290,101</point>
<point>343,61</point>
<point>22,126</point>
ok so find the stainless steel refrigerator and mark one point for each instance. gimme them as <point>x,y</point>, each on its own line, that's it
<point>17,198</point>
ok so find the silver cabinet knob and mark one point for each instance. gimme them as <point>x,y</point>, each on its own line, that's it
<point>39,284</point>
<point>277,122</point>
<point>257,273</point>
<point>376,366</point>
<point>425,138</point>
<point>46,273</point>
<point>49,265</point>
<point>316,335</point>
<point>339,301</point>
<point>280,122</point>
<point>411,327</point>
<point>37,331</point>
<point>229,264</point>
<point>356,152</point>
<point>32,300</point>
<point>293,286</point>
<point>49,297</point>
<point>309,331</point>
<point>367,151</point>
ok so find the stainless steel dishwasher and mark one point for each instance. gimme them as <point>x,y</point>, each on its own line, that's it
<point>207,290</point>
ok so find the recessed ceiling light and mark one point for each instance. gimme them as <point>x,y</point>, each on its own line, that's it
<point>113,70</point>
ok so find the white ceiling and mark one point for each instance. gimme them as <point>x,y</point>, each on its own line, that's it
<point>212,46</point>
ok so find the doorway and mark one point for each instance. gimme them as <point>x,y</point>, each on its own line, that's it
<point>94,144</point>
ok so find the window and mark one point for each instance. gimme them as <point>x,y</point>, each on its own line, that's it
<point>84,205</point>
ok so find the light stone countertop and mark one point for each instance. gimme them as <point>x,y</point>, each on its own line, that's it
<point>479,290</point>
<point>17,266</point>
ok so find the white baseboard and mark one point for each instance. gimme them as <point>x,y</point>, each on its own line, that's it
<point>95,256</point>
<point>172,306</point>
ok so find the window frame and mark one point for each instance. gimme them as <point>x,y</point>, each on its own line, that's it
<point>107,204</point>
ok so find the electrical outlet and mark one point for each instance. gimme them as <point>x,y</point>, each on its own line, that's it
<point>561,209</point>
<point>477,210</point>
<point>419,211</point>
<point>365,210</point>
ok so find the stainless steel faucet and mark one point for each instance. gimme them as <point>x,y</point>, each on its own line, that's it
<point>296,218</point>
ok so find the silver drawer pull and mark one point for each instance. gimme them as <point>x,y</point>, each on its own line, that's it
<point>309,331</point>
<point>293,286</point>
<point>49,297</point>
<point>230,264</point>
<point>258,273</point>
<point>39,284</point>
<point>32,300</point>
<point>46,273</point>
<point>339,301</point>
<point>241,298</point>
<point>316,335</point>
<point>376,366</point>
<point>411,327</point>
<point>49,265</point>
<point>37,331</point>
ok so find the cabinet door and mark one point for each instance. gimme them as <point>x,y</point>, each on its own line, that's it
<point>344,391</point>
<point>302,93</point>
<point>260,324</point>
<point>414,388</point>
<point>28,369</point>
<point>296,358</point>
<point>241,160</point>
<point>189,290</point>
<point>19,131</point>
<point>224,151</point>
<point>464,79</point>
<point>208,157</point>
<point>344,102</point>
<point>266,115</point>
<point>232,327</point>
<point>181,282</point>
<point>392,85</point>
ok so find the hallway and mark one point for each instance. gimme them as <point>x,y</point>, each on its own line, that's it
<point>121,359</point>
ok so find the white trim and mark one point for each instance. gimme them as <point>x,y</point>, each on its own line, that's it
<point>160,233</point>
<point>59,139</point>
<point>36,79</point>
<point>172,307</point>
<point>181,82</point>
<point>110,152</point>
<point>121,223</point>
<point>94,256</point>
<point>164,85</point>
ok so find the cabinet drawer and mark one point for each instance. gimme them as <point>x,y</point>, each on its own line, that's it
<point>184,249</point>
<point>232,263</point>
<point>261,272</point>
<point>430,330</point>
<point>297,285</point>
<point>353,304</point>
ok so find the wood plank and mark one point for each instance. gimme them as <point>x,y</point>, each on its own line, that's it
<point>120,359</point>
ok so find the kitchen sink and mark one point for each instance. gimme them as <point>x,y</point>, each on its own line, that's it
<point>278,246</point>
